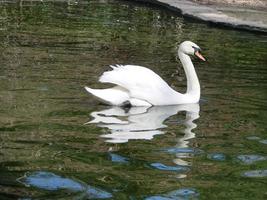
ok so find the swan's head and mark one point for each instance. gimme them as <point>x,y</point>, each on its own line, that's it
<point>190,48</point>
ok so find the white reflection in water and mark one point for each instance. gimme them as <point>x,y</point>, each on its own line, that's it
<point>144,122</point>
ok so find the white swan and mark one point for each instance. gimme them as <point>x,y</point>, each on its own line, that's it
<point>140,86</point>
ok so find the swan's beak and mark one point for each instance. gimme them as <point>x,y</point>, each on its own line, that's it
<point>197,54</point>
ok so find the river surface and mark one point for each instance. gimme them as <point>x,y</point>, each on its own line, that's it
<point>58,142</point>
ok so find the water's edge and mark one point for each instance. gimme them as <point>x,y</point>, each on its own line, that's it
<point>209,14</point>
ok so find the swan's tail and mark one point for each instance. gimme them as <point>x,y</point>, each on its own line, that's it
<point>113,96</point>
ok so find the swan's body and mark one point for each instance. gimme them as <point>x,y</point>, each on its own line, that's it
<point>140,86</point>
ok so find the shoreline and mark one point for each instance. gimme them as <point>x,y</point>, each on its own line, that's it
<point>238,17</point>
<point>245,4</point>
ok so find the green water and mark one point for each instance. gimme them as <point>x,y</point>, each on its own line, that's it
<point>50,50</point>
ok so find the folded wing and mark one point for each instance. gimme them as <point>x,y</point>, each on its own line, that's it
<point>142,83</point>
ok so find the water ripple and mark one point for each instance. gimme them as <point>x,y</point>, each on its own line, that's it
<point>163,167</point>
<point>50,181</point>
<point>216,156</point>
<point>117,158</point>
<point>250,159</point>
<point>256,173</point>
<point>180,194</point>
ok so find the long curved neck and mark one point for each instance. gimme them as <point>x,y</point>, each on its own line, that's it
<point>193,86</point>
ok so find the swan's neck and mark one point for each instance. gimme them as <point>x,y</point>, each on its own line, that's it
<point>193,87</point>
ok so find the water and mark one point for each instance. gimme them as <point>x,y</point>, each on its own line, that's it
<point>59,142</point>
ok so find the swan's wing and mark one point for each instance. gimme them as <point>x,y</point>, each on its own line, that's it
<point>142,83</point>
<point>113,96</point>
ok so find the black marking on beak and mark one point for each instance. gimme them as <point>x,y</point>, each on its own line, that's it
<point>196,49</point>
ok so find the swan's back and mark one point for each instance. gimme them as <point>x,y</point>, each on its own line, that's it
<point>142,83</point>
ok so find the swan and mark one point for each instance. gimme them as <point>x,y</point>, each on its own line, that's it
<point>140,86</point>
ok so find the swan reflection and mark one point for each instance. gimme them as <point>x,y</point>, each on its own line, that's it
<point>144,122</point>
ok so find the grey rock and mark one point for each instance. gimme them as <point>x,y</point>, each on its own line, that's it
<point>248,19</point>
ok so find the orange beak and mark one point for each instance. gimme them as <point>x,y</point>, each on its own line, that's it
<point>197,54</point>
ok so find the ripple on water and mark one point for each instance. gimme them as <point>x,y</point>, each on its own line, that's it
<point>216,156</point>
<point>158,198</point>
<point>183,150</point>
<point>256,173</point>
<point>263,141</point>
<point>118,159</point>
<point>184,193</point>
<point>250,159</point>
<point>51,181</point>
<point>43,88</point>
<point>163,167</point>
<point>253,138</point>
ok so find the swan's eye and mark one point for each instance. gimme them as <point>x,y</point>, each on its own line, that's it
<point>196,48</point>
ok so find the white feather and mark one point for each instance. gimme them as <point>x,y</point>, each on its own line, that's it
<point>142,83</point>
<point>113,96</point>
<point>142,87</point>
